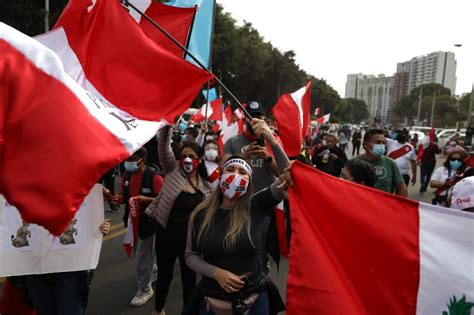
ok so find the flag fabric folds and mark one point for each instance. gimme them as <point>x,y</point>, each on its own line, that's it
<point>324,119</point>
<point>292,114</point>
<point>362,251</point>
<point>105,49</point>
<point>176,21</point>
<point>229,127</point>
<point>214,111</point>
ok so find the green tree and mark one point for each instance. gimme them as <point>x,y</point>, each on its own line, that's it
<point>323,96</point>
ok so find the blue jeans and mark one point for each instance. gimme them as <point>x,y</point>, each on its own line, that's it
<point>56,293</point>
<point>260,307</point>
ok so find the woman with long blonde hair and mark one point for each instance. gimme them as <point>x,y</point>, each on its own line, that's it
<point>225,242</point>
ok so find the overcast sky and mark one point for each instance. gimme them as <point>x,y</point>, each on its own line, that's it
<point>337,37</point>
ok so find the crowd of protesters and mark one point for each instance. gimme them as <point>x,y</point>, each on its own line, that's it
<point>211,207</point>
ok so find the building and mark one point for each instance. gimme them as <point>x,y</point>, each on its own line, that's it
<point>352,84</point>
<point>437,67</point>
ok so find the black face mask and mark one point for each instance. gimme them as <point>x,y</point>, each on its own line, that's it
<point>401,138</point>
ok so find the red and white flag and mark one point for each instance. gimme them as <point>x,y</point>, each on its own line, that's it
<point>229,128</point>
<point>213,172</point>
<point>214,111</point>
<point>176,21</point>
<point>324,119</point>
<point>131,235</point>
<point>292,117</point>
<point>358,250</point>
<point>57,137</point>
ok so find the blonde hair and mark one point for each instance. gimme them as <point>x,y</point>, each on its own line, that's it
<point>239,221</point>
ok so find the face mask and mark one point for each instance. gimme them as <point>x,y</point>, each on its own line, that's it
<point>182,127</point>
<point>378,149</point>
<point>211,154</point>
<point>185,139</point>
<point>188,164</point>
<point>455,165</point>
<point>233,185</point>
<point>393,136</point>
<point>131,166</point>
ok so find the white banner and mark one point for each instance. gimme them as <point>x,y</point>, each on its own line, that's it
<point>30,249</point>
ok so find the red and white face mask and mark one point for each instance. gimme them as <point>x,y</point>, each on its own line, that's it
<point>233,185</point>
<point>188,164</point>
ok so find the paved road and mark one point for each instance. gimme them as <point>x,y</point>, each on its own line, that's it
<point>114,282</point>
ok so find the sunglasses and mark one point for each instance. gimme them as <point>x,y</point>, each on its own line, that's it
<point>455,159</point>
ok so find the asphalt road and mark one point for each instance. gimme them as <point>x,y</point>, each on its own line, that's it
<point>114,284</point>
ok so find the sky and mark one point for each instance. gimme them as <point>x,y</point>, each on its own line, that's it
<point>334,38</point>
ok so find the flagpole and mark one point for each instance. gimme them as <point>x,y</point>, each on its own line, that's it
<point>161,29</point>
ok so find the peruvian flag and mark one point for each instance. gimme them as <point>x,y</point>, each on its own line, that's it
<point>229,128</point>
<point>131,235</point>
<point>213,172</point>
<point>324,119</point>
<point>292,117</point>
<point>70,112</point>
<point>176,21</point>
<point>214,111</point>
<point>362,251</point>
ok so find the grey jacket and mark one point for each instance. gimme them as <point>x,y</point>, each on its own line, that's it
<point>174,181</point>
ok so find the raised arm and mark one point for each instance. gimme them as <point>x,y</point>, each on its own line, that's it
<point>165,153</point>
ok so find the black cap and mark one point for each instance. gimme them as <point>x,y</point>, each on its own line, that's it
<point>255,109</point>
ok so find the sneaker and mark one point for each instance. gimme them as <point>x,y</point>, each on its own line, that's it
<point>158,313</point>
<point>141,297</point>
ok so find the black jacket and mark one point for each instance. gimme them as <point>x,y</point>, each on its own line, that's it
<point>332,166</point>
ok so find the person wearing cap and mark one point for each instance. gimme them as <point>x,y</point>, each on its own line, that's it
<point>143,183</point>
<point>224,242</point>
<point>403,154</point>
<point>462,195</point>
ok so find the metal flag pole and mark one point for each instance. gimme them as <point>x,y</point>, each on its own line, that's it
<point>188,53</point>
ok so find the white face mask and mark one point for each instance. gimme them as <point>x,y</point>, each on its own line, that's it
<point>233,185</point>
<point>211,154</point>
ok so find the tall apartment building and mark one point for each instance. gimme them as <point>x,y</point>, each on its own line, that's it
<point>376,92</point>
<point>437,67</point>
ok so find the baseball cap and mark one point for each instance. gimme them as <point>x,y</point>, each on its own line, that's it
<point>255,109</point>
<point>463,194</point>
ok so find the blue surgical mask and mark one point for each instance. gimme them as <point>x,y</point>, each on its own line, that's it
<point>378,149</point>
<point>455,165</point>
<point>131,166</point>
<point>182,126</point>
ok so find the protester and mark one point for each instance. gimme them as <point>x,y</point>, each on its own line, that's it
<point>330,158</point>
<point>343,140</point>
<point>60,293</point>
<point>453,146</point>
<point>190,135</point>
<point>462,197</point>
<point>360,172</point>
<point>224,241</point>
<point>389,178</point>
<point>144,183</point>
<point>211,161</point>
<point>403,154</point>
<point>427,164</point>
<point>356,141</point>
<point>185,186</point>
<point>447,176</point>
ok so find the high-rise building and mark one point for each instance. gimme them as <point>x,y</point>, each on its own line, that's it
<point>437,67</point>
<point>352,84</point>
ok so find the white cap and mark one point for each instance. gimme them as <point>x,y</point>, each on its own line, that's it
<point>463,194</point>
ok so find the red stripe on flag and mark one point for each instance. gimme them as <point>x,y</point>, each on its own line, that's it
<point>354,251</point>
<point>53,150</point>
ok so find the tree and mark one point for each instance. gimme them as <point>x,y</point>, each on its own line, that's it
<point>323,96</point>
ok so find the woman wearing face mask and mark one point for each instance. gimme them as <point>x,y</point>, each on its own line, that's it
<point>184,187</point>
<point>225,244</point>
<point>447,175</point>
<point>211,161</point>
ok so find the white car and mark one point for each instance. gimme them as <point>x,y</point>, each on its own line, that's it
<point>420,134</point>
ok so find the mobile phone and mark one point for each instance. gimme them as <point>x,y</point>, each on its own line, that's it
<point>261,142</point>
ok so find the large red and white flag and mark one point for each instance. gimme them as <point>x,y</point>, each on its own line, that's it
<point>358,250</point>
<point>214,111</point>
<point>292,114</point>
<point>106,51</point>
<point>176,21</point>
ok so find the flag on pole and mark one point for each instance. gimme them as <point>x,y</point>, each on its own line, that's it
<point>104,49</point>
<point>176,21</point>
<point>324,119</point>
<point>229,128</point>
<point>292,117</point>
<point>362,251</point>
<point>214,111</point>
<point>201,36</point>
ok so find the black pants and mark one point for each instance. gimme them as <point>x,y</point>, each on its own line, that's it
<point>426,170</point>
<point>406,178</point>
<point>166,253</point>
<point>355,146</point>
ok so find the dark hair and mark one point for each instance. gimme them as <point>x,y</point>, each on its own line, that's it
<point>371,132</point>
<point>200,152</point>
<point>362,172</point>
<point>193,131</point>
<point>463,156</point>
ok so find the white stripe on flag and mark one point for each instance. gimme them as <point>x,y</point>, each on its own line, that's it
<point>131,131</point>
<point>446,257</point>
<point>298,98</point>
